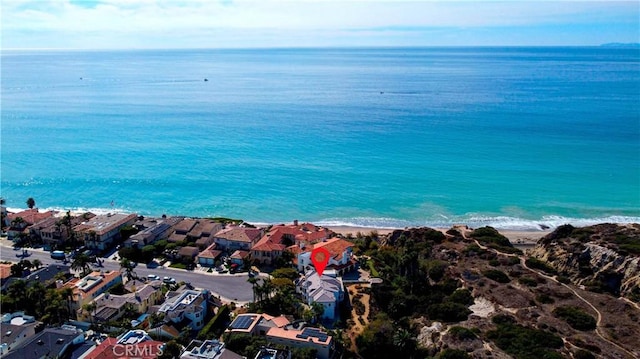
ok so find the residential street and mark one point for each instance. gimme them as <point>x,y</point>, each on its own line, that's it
<point>231,287</point>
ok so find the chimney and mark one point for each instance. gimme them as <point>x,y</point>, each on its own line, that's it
<point>295,222</point>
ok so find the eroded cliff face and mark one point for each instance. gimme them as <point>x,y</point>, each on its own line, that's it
<point>603,258</point>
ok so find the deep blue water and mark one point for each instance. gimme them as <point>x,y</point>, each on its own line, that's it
<point>511,137</point>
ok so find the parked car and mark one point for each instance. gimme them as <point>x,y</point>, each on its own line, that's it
<point>152,277</point>
<point>168,280</point>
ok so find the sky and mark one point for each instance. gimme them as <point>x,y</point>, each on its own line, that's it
<point>129,24</point>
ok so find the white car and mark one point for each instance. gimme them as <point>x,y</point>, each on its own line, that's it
<point>168,280</point>
<point>152,277</point>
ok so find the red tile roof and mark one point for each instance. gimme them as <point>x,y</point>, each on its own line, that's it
<point>335,246</point>
<point>31,216</point>
<point>306,232</point>
<point>110,349</point>
<point>210,252</point>
<point>240,234</point>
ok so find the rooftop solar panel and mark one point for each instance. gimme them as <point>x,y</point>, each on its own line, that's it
<point>243,322</point>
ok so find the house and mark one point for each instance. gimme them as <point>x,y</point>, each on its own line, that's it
<point>53,232</point>
<point>151,231</point>
<point>327,290</point>
<point>238,257</point>
<point>273,243</point>
<point>16,328</point>
<point>101,231</point>
<point>188,254</point>
<point>202,232</point>
<point>208,349</point>
<point>18,222</point>
<point>181,229</point>
<point>256,324</point>
<point>186,305</point>
<point>234,238</point>
<point>86,289</point>
<point>132,344</point>
<point>49,343</point>
<point>273,353</point>
<point>308,337</point>
<point>340,251</point>
<point>112,306</point>
<point>207,258</point>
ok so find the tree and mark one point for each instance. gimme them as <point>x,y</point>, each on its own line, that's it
<point>37,263</point>
<point>253,281</point>
<point>171,350</point>
<point>127,265</point>
<point>89,309</point>
<point>26,264</point>
<point>31,202</point>
<point>16,270</point>
<point>318,310</point>
<point>81,262</point>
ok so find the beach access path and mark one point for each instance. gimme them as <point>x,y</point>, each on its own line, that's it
<point>230,287</point>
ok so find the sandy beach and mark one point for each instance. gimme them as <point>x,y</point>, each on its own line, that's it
<point>514,236</point>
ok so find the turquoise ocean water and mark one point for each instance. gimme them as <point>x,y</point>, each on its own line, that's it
<point>510,137</point>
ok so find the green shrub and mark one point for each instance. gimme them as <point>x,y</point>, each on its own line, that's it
<point>542,265</point>
<point>448,312</point>
<point>576,317</point>
<point>563,279</point>
<point>544,299</point>
<point>522,342</point>
<point>461,296</point>
<point>528,281</point>
<point>462,333</point>
<point>497,275</point>
<point>216,325</point>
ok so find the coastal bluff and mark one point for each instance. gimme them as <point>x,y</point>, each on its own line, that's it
<point>601,258</point>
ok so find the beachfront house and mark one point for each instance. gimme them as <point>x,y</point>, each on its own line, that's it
<point>271,246</point>
<point>18,223</point>
<point>101,231</point>
<point>151,231</point>
<point>234,238</point>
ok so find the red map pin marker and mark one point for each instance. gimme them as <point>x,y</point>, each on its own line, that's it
<point>320,258</point>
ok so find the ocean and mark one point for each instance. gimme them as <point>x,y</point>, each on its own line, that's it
<point>514,137</point>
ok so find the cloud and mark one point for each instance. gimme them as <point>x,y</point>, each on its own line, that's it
<point>137,22</point>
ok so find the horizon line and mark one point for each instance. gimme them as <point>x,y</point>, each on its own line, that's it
<point>608,44</point>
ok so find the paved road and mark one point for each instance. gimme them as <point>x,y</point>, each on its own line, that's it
<point>231,287</point>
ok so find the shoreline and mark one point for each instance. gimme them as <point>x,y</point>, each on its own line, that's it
<point>514,236</point>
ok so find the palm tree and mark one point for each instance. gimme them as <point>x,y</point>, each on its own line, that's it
<point>37,263</point>
<point>81,262</point>
<point>404,341</point>
<point>31,202</point>
<point>126,264</point>
<point>253,281</point>
<point>90,308</point>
